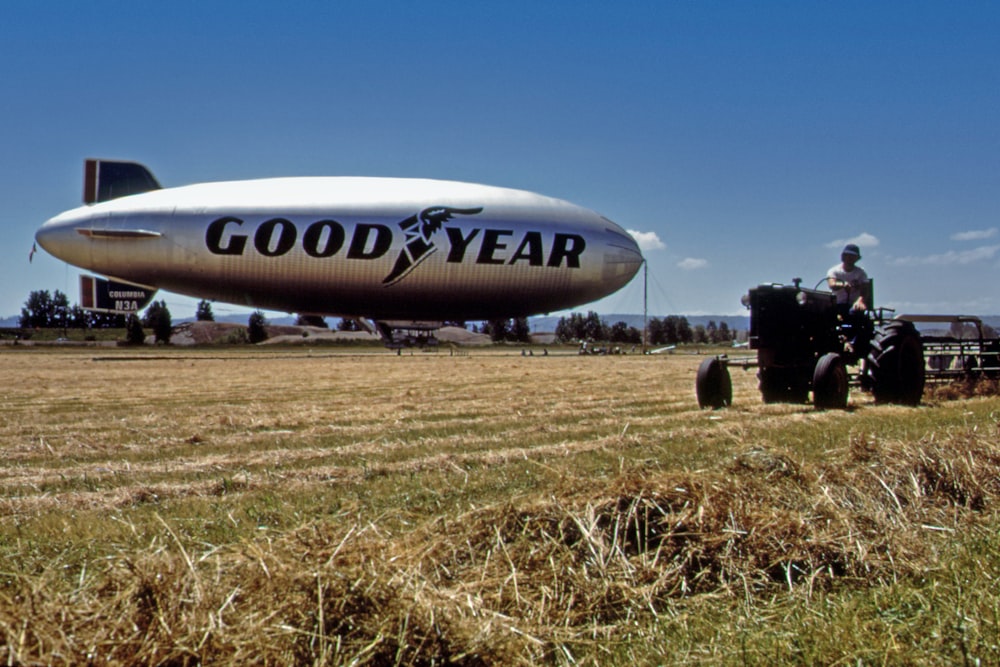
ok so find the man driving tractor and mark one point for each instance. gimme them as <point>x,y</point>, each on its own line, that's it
<point>852,287</point>
<point>849,281</point>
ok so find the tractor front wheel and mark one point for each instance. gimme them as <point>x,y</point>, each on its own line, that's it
<point>830,383</point>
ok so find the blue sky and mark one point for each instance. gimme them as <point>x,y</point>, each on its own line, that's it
<point>747,142</point>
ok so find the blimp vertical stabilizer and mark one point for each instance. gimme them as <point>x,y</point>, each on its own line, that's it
<point>104,180</point>
<point>377,248</point>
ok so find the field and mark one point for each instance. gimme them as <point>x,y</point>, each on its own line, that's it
<point>231,506</point>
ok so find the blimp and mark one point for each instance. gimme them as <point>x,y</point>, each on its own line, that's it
<point>399,253</point>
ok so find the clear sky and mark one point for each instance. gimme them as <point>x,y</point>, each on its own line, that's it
<point>746,141</point>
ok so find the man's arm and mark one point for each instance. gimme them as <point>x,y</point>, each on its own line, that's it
<point>835,281</point>
<point>865,298</point>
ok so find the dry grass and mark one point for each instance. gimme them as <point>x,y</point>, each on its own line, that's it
<point>963,388</point>
<point>374,509</point>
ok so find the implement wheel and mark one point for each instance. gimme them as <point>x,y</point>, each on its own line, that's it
<point>895,365</point>
<point>713,385</point>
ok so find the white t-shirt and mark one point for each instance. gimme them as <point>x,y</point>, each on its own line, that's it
<point>855,278</point>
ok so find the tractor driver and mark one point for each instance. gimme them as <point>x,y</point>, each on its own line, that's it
<point>852,288</point>
<point>849,281</point>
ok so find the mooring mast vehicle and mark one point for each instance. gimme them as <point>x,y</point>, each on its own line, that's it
<point>805,344</point>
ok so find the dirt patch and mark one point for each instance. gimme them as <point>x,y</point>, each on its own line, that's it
<point>203,333</point>
<point>461,336</point>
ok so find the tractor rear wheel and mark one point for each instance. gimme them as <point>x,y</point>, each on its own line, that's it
<point>895,364</point>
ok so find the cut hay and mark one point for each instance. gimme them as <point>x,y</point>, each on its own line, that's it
<point>526,581</point>
<point>962,388</point>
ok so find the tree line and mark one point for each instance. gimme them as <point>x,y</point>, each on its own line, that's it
<point>44,310</point>
<point>670,330</point>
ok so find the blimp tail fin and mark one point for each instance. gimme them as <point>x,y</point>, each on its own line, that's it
<point>105,295</point>
<point>109,179</point>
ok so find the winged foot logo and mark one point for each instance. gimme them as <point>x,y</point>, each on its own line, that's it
<point>418,230</point>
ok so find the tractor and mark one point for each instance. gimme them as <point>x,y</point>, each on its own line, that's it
<point>806,343</point>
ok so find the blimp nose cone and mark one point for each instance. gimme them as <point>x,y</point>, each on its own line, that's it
<point>47,237</point>
<point>50,237</point>
<point>59,238</point>
<point>622,257</point>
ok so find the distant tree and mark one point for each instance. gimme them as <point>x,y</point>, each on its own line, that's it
<point>655,332</point>
<point>684,333</point>
<point>158,319</point>
<point>670,330</point>
<point>204,312</point>
<point>77,318</point>
<point>497,330</point>
<point>37,310</point>
<point>618,333</point>
<point>724,334</point>
<point>577,327</point>
<point>570,328</point>
<point>43,310</point>
<point>60,310</point>
<point>107,320</point>
<point>711,332</point>
<point>515,330</point>
<point>134,334</point>
<point>594,328</point>
<point>256,332</point>
<point>699,335</point>
<point>519,331</point>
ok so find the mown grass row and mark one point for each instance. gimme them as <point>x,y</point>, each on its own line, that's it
<point>480,509</point>
<point>947,615</point>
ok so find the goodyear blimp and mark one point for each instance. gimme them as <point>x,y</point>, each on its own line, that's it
<point>389,250</point>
